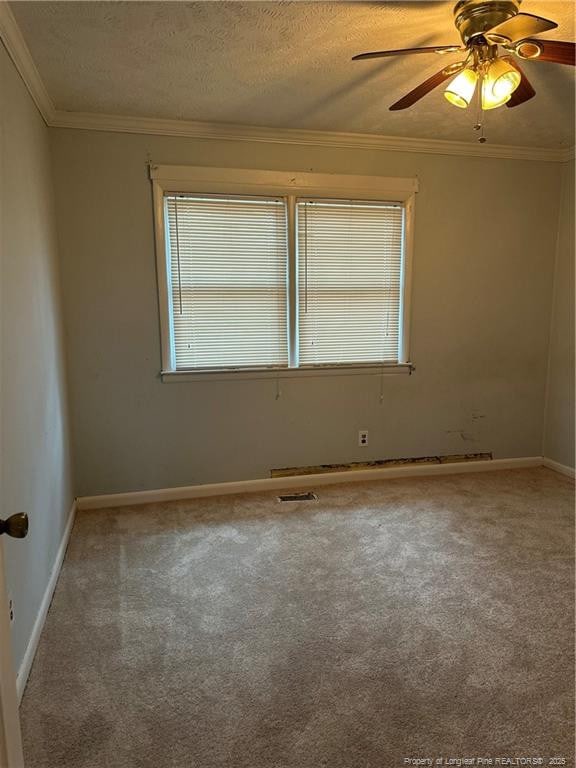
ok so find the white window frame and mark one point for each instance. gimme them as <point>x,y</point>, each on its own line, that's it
<point>177,179</point>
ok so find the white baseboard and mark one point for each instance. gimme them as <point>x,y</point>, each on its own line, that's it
<point>26,665</point>
<point>301,481</point>
<point>557,467</point>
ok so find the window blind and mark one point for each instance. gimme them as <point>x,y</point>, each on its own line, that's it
<point>228,261</point>
<point>349,281</point>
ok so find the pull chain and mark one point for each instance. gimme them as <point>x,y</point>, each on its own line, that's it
<point>479,125</point>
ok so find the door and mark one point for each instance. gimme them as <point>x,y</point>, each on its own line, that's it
<point>10,740</point>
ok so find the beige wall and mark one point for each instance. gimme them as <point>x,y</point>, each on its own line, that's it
<point>483,267</point>
<point>35,464</point>
<point>559,416</point>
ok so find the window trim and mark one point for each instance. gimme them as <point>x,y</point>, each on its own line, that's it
<point>176,179</point>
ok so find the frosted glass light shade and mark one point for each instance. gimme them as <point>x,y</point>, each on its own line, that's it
<point>500,83</point>
<point>461,90</point>
<point>489,101</point>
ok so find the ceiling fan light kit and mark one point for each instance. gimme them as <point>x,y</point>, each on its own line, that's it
<point>498,78</point>
<point>484,25</point>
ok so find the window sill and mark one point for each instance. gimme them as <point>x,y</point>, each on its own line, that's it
<point>172,377</point>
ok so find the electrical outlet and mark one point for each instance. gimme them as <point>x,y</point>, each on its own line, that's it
<point>11,610</point>
<point>363,437</point>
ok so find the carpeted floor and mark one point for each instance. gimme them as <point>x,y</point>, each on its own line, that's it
<point>418,618</point>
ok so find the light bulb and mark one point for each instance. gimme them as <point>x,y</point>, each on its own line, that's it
<point>460,91</point>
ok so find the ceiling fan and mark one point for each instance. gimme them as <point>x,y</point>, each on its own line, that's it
<point>484,25</point>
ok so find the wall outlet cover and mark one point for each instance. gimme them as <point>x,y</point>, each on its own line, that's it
<point>363,437</point>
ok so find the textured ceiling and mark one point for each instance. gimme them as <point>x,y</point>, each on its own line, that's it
<point>280,64</point>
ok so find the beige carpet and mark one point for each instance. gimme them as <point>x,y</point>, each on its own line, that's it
<point>418,618</point>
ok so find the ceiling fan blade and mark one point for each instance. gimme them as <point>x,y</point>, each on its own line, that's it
<point>524,92</point>
<point>556,51</point>
<point>519,26</point>
<point>432,49</point>
<point>428,85</point>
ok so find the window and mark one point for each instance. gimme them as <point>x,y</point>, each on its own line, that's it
<point>256,275</point>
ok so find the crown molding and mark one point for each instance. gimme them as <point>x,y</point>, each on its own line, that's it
<point>230,132</point>
<point>20,54</point>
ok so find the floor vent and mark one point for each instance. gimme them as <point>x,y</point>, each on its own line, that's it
<point>309,496</point>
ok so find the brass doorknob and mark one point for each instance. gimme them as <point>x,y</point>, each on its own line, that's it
<point>16,526</point>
